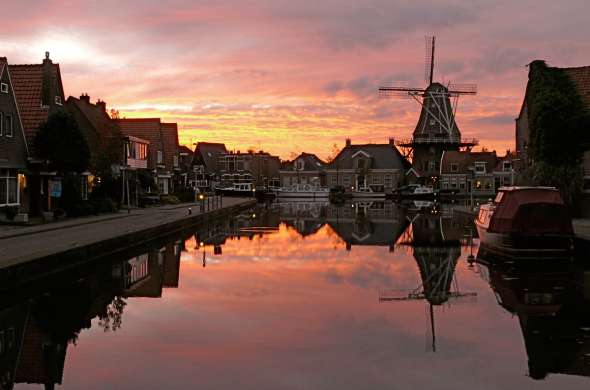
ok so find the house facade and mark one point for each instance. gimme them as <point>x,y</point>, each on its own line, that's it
<point>306,168</point>
<point>39,93</point>
<point>162,156</point>
<point>380,167</point>
<point>205,172</point>
<point>13,146</point>
<point>261,169</point>
<point>463,172</point>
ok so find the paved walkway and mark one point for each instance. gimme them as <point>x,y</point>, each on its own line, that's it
<point>28,243</point>
<point>582,228</point>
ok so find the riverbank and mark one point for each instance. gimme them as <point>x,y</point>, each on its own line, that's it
<point>88,238</point>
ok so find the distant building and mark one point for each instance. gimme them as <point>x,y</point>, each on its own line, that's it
<point>185,156</point>
<point>13,146</point>
<point>39,93</point>
<point>259,168</point>
<point>205,172</point>
<point>358,167</point>
<point>163,159</point>
<point>306,168</point>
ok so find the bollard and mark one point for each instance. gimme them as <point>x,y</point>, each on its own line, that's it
<point>190,211</point>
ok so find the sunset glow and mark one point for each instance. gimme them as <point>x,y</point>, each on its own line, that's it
<point>288,76</point>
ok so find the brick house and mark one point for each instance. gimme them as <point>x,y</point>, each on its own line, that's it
<point>39,93</point>
<point>306,168</point>
<point>358,167</point>
<point>13,146</point>
<point>205,172</point>
<point>261,169</point>
<point>463,171</point>
<point>162,159</point>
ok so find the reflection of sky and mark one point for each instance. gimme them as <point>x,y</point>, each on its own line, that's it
<point>285,312</point>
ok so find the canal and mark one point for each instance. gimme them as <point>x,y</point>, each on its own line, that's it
<point>301,296</point>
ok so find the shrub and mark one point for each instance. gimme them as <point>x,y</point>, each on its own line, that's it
<point>169,199</point>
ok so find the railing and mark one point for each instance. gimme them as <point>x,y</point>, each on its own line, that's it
<point>437,140</point>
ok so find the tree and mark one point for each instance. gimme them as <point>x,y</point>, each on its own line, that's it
<point>62,144</point>
<point>558,122</point>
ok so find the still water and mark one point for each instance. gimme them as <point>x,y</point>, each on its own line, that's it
<point>302,296</point>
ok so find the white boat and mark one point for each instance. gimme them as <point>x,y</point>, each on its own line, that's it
<point>304,191</point>
<point>370,192</point>
<point>415,191</point>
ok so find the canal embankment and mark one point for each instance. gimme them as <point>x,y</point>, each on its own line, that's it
<point>54,245</point>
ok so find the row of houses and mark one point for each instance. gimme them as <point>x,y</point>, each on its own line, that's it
<point>30,94</point>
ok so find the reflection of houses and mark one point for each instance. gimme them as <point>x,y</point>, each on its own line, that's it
<point>371,223</point>
<point>553,315</point>
<point>205,165</point>
<point>304,169</point>
<point>376,167</point>
<point>258,168</point>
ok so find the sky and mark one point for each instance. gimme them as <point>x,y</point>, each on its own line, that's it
<point>290,76</point>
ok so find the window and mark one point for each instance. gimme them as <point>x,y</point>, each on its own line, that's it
<point>454,167</point>
<point>360,163</point>
<point>377,179</point>
<point>58,100</point>
<point>333,180</point>
<point>346,181</point>
<point>480,167</point>
<point>1,124</point>
<point>4,88</point>
<point>8,187</point>
<point>432,122</point>
<point>300,165</point>
<point>175,160</point>
<point>432,165</point>
<point>160,157</point>
<point>387,180</point>
<point>507,166</point>
<point>8,125</point>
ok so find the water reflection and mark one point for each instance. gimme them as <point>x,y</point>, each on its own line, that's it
<point>288,300</point>
<point>551,301</point>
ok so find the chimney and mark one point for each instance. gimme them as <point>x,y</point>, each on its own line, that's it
<point>348,142</point>
<point>102,105</point>
<point>46,97</point>
<point>391,141</point>
<point>85,98</point>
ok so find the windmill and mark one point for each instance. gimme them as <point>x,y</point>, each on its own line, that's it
<point>436,130</point>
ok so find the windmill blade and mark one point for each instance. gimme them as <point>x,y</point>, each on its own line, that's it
<point>400,92</point>
<point>462,89</point>
<point>429,42</point>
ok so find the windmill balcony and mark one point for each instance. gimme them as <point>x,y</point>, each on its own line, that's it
<point>436,140</point>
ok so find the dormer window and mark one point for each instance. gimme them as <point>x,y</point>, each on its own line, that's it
<point>480,167</point>
<point>360,163</point>
<point>3,87</point>
<point>454,167</point>
<point>507,165</point>
<point>58,100</point>
<point>300,165</point>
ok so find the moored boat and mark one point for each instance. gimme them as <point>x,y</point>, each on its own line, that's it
<point>300,191</point>
<point>526,220</point>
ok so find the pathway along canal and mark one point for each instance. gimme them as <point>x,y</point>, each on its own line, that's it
<point>302,296</point>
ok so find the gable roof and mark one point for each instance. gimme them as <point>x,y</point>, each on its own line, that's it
<point>28,82</point>
<point>465,159</point>
<point>206,153</point>
<point>383,156</point>
<point>581,78</point>
<point>311,162</point>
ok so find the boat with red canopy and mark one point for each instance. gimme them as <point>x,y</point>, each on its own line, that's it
<point>526,220</point>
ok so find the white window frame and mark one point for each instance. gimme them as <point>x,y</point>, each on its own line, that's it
<point>160,157</point>
<point>175,160</point>
<point>480,167</point>
<point>3,87</point>
<point>58,100</point>
<point>506,166</point>
<point>1,123</point>
<point>5,175</point>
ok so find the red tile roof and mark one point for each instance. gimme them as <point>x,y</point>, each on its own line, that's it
<point>148,129</point>
<point>581,78</point>
<point>170,141</point>
<point>27,82</point>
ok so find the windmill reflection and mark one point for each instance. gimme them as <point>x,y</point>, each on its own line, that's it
<point>551,302</point>
<point>435,239</point>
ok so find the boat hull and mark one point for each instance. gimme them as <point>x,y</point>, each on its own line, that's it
<point>518,244</point>
<point>301,195</point>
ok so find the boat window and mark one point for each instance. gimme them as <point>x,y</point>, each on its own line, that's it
<point>499,197</point>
